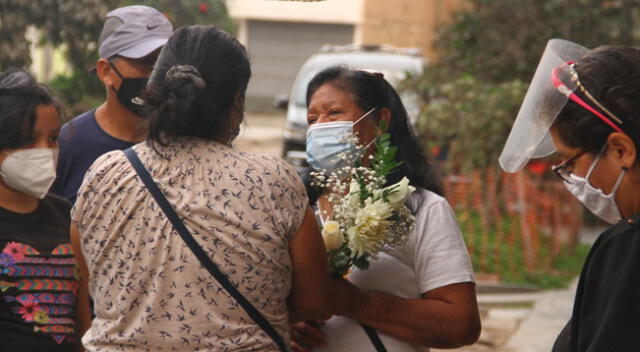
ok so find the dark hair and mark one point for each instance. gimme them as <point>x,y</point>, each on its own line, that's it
<point>611,74</point>
<point>371,90</point>
<point>193,87</point>
<point>20,95</point>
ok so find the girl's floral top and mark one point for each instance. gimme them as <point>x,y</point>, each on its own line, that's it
<point>38,279</point>
<point>150,291</point>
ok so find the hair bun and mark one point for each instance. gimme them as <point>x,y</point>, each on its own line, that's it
<point>185,71</point>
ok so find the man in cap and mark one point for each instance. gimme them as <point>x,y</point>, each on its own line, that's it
<point>129,44</point>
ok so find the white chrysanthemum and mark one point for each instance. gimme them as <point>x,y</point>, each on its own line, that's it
<point>370,228</point>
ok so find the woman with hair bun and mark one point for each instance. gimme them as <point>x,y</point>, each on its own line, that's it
<point>155,222</point>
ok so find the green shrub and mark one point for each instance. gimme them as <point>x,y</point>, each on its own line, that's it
<point>504,255</point>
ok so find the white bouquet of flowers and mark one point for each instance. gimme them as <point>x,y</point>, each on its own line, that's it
<point>365,217</point>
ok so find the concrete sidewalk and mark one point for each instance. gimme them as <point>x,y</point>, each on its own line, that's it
<point>550,313</point>
<point>522,322</point>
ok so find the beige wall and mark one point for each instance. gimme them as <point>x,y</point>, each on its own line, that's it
<point>405,23</point>
<point>329,11</point>
<point>401,23</point>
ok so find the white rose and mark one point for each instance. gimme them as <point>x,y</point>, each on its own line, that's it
<point>401,191</point>
<point>331,235</point>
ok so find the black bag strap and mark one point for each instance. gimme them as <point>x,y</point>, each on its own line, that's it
<point>204,259</point>
<point>375,339</point>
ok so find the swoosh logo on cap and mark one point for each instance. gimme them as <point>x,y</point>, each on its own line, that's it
<point>137,101</point>
<point>150,27</point>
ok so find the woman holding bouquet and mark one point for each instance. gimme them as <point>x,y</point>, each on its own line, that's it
<point>420,293</point>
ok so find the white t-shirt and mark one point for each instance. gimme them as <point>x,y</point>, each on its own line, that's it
<point>435,256</point>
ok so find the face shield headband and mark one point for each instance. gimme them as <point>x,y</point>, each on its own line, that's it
<point>568,69</point>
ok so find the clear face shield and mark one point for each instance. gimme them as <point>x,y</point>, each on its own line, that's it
<point>548,93</point>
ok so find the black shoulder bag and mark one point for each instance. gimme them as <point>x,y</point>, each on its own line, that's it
<point>204,259</point>
<point>375,339</point>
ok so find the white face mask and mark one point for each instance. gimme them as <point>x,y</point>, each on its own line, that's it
<point>30,171</point>
<point>602,205</point>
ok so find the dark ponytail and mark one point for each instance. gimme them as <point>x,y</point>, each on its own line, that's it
<point>194,86</point>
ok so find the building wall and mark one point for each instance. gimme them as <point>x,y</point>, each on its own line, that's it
<point>329,11</point>
<point>280,35</point>
<point>402,23</point>
<point>278,49</point>
<point>406,23</point>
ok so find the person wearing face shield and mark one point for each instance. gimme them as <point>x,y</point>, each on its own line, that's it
<point>129,44</point>
<point>37,267</point>
<point>585,105</point>
<point>419,295</point>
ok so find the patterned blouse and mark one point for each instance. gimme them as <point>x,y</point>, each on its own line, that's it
<point>150,291</point>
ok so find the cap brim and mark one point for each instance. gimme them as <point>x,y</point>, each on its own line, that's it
<point>143,49</point>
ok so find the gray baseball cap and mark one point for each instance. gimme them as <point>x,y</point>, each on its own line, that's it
<point>133,32</point>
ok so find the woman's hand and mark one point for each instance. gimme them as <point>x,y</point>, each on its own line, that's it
<point>445,317</point>
<point>306,335</point>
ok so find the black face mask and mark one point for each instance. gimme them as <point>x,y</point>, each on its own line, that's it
<point>129,92</point>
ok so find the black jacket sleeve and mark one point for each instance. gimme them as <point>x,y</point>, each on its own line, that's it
<point>606,314</point>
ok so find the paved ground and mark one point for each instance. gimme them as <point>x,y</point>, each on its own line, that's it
<point>512,322</point>
<point>261,134</point>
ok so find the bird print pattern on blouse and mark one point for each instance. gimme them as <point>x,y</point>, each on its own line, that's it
<point>150,292</point>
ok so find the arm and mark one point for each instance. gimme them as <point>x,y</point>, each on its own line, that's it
<point>83,313</point>
<point>309,295</point>
<point>445,317</point>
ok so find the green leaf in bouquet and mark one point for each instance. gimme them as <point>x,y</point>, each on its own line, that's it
<point>340,261</point>
<point>383,125</point>
<point>384,157</point>
<point>362,262</point>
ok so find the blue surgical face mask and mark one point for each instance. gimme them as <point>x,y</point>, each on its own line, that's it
<point>329,142</point>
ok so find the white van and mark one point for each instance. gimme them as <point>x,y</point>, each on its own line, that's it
<point>393,62</point>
